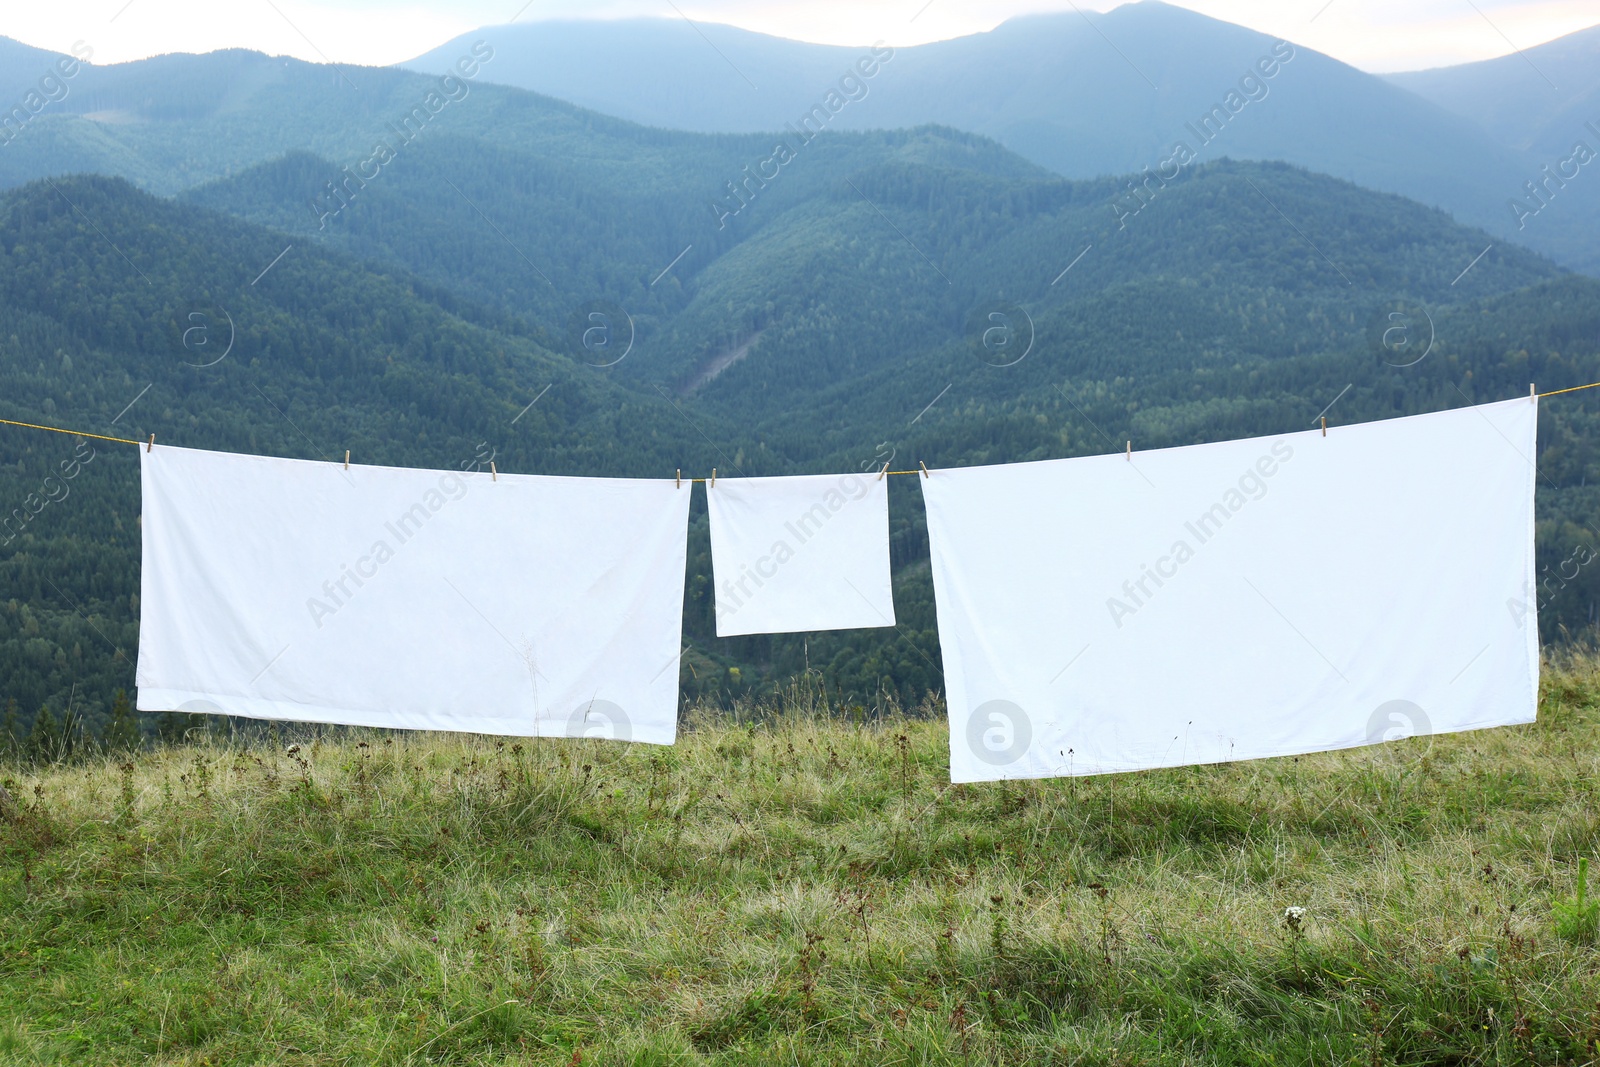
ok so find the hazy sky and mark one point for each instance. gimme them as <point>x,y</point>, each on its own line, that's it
<point>1376,35</point>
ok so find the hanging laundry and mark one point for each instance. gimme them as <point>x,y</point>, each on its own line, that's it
<point>1228,601</point>
<point>416,599</point>
<point>791,555</point>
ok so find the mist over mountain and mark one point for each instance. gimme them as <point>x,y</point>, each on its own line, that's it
<point>1085,95</point>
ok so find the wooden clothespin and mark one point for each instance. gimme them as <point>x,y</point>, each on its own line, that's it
<point>924,467</point>
<point>1130,451</point>
<point>713,483</point>
<point>678,481</point>
<point>883,472</point>
<point>151,447</point>
<point>347,459</point>
<point>1532,396</point>
<point>1324,425</point>
<point>494,475</point>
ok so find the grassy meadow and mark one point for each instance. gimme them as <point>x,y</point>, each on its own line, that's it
<point>802,888</point>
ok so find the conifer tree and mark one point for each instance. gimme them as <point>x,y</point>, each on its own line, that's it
<point>10,730</point>
<point>45,740</point>
<point>122,732</point>
<point>172,726</point>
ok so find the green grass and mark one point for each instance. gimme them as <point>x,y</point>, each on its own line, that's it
<point>803,890</point>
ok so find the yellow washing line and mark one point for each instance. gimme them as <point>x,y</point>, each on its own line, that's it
<point>1574,389</point>
<point>75,433</point>
<point>131,441</point>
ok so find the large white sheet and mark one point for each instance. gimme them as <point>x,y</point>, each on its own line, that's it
<point>378,596</point>
<point>792,555</point>
<point>1231,601</point>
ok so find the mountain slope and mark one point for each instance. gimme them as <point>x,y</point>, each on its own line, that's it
<point>1207,317</point>
<point>876,250</point>
<point>1539,100</point>
<point>1113,97</point>
<point>1083,95</point>
<point>172,122</point>
<point>523,228</point>
<point>126,315</point>
<point>22,67</point>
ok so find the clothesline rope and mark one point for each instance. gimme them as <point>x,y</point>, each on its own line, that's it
<point>1573,389</point>
<point>692,481</point>
<point>75,433</point>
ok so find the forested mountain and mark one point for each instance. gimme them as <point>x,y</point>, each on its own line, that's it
<point>172,122</point>
<point>847,289</point>
<point>1083,94</point>
<point>898,296</point>
<point>125,315</point>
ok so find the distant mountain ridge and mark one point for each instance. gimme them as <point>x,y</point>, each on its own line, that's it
<point>1540,99</point>
<point>1085,95</point>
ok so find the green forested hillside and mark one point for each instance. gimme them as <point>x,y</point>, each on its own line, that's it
<point>835,321</point>
<point>876,249</point>
<point>102,292</point>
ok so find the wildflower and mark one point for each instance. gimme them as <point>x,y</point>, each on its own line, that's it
<point>1293,915</point>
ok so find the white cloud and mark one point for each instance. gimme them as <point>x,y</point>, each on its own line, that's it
<point>1377,35</point>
